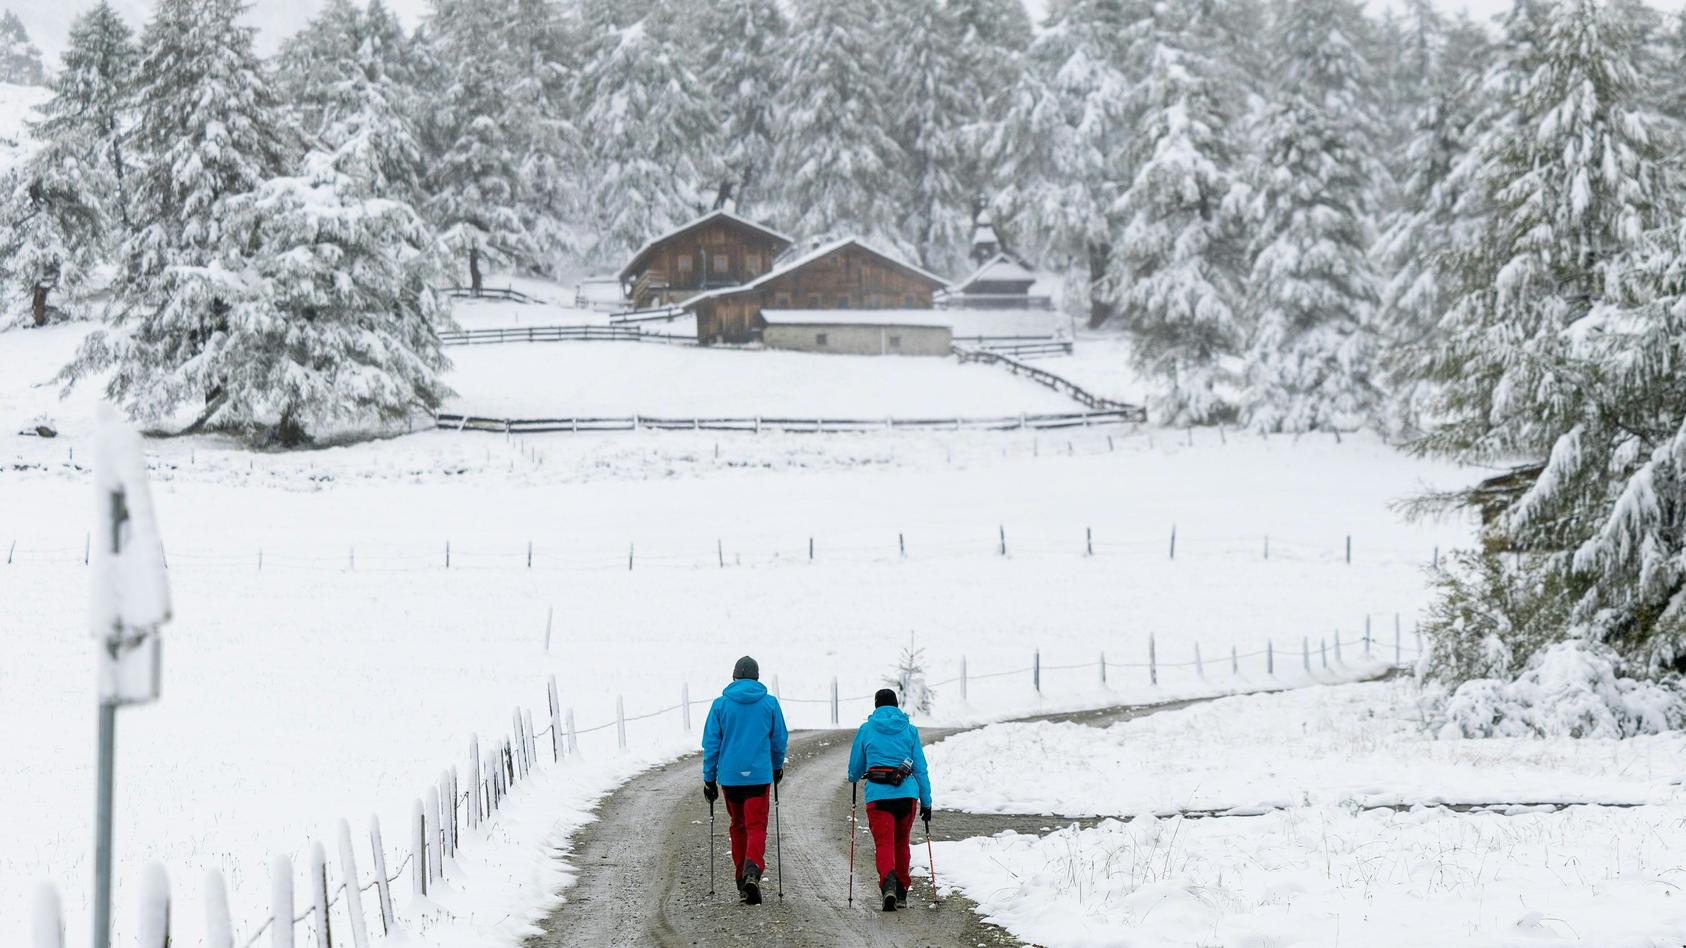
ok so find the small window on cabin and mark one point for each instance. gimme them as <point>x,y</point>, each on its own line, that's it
<point>752,264</point>
<point>722,263</point>
<point>684,263</point>
<point>781,301</point>
<point>895,342</point>
<point>912,301</point>
<point>822,339</point>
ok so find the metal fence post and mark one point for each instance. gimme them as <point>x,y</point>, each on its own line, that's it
<point>685,705</point>
<point>1199,666</point>
<point>963,678</point>
<point>1036,671</point>
<point>377,853</point>
<point>835,710</point>
<point>1152,659</point>
<point>1270,658</point>
<point>620,720</point>
<point>281,901</point>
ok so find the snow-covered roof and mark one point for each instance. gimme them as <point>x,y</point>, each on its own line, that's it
<point>722,214</point>
<point>919,318</point>
<point>1000,268</point>
<point>807,258</point>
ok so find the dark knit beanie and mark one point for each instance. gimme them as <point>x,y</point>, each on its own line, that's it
<point>746,668</point>
<point>885,698</point>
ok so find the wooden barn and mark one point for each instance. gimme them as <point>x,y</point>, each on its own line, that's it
<point>842,275</point>
<point>719,249</point>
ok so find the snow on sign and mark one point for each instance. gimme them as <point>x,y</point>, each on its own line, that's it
<point>131,598</point>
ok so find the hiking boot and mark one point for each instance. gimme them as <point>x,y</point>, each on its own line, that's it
<point>743,896</point>
<point>751,883</point>
<point>901,893</point>
<point>888,888</point>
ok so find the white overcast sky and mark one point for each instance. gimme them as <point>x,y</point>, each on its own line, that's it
<point>49,20</point>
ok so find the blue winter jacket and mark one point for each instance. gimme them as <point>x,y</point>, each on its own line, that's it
<point>744,739</point>
<point>886,740</point>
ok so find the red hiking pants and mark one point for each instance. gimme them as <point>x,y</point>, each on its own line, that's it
<point>747,807</point>
<point>892,828</point>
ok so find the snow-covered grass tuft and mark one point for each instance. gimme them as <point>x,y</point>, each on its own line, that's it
<point>1570,689</point>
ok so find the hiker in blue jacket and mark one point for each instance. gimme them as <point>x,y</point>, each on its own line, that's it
<point>887,754</point>
<point>744,742</point>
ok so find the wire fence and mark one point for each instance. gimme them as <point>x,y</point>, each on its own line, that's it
<point>447,816</point>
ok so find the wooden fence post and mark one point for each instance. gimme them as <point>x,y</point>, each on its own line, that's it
<point>1036,671</point>
<point>835,710</point>
<point>1323,651</point>
<point>474,815</point>
<point>353,892</point>
<point>1003,529</point>
<point>447,817</point>
<point>1398,645</point>
<point>963,678</point>
<point>281,902</point>
<point>1305,651</point>
<point>1199,666</point>
<point>1173,541</point>
<point>1349,548</point>
<point>685,705</point>
<point>377,854</point>
<point>1338,660</point>
<point>1103,669</point>
<point>319,895</point>
<point>418,842</point>
<point>620,721</point>
<point>1152,657</point>
<point>219,927</point>
<point>1270,658</point>
<point>47,918</point>
<point>573,735</point>
<point>1234,661</point>
<point>556,721</point>
<point>901,544</point>
<point>153,921</point>
<point>532,738</point>
<point>1366,635</point>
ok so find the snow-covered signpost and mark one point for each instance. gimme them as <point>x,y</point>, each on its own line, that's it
<point>131,603</point>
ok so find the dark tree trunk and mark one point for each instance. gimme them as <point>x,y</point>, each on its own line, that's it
<point>38,304</point>
<point>475,280</point>
<point>1099,309</point>
<point>722,194</point>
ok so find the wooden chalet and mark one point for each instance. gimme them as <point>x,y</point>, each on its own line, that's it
<point>841,275</point>
<point>719,249</point>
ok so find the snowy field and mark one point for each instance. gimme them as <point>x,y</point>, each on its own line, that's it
<point>562,380</point>
<point>1317,867</point>
<point>337,679</point>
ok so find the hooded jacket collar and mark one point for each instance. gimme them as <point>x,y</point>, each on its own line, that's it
<point>888,720</point>
<point>745,691</point>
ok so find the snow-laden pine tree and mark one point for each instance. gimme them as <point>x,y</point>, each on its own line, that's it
<point>739,47</point>
<point>208,129</point>
<point>1182,253</point>
<point>989,41</point>
<point>997,24</point>
<point>1311,291</point>
<point>91,112</point>
<point>836,165</point>
<point>20,59</point>
<point>52,228</point>
<point>475,187</point>
<point>350,79</point>
<point>332,324</point>
<point>1558,350</point>
<point>931,106</point>
<point>1440,208</point>
<point>1062,147</point>
<point>541,110</point>
<point>652,133</point>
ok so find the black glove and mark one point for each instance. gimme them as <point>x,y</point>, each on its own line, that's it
<point>710,791</point>
<point>778,775</point>
<point>925,813</point>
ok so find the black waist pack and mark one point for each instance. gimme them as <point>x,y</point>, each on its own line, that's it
<point>889,776</point>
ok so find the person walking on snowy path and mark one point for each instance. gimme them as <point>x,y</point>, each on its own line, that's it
<point>744,743</point>
<point>887,754</point>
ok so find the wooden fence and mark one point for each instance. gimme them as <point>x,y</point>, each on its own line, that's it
<point>1059,384</point>
<point>1023,422</point>
<point>475,337</point>
<point>507,294</point>
<point>666,314</point>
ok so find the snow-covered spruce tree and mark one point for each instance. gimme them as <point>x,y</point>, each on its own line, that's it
<point>474,185</point>
<point>652,146</point>
<point>20,60</point>
<point>1182,255</point>
<point>51,227</point>
<point>1061,147</point>
<point>837,167</point>
<point>335,324</point>
<point>1559,350</point>
<point>1310,351</point>
<point>90,113</point>
<point>990,40</point>
<point>930,108</point>
<point>738,53</point>
<point>207,129</point>
<point>540,109</point>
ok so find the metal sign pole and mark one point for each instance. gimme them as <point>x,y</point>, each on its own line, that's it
<point>102,827</point>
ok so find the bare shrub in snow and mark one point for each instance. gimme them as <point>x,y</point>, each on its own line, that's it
<point>1570,689</point>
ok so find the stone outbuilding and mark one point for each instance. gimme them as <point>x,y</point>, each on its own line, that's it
<point>908,332</point>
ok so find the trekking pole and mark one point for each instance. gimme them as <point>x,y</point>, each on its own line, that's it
<point>711,869</point>
<point>778,838</point>
<point>854,796</point>
<point>931,857</point>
